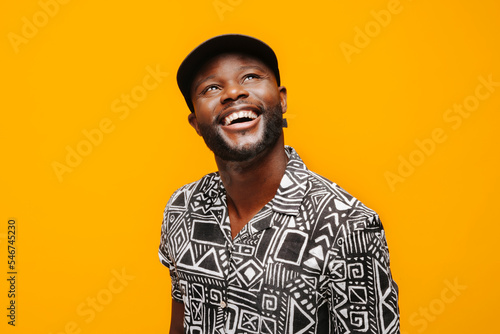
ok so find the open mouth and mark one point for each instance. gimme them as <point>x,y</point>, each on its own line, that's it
<point>239,117</point>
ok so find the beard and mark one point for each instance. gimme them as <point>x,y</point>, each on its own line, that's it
<point>273,128</point>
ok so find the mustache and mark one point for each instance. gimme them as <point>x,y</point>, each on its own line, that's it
<point>238,102</point>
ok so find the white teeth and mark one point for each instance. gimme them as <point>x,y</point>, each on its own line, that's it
<point>240,114</point>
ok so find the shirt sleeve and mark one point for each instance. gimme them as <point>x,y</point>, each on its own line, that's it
<point>364,294</point>
<point>166,257</point>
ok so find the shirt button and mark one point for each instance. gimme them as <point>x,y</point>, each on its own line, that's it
<point>223,304</point>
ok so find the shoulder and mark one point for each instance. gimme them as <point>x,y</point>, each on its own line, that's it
<point>342,218</point>
<point>332,204</point>
<point>183,195</point>
<point>342,199</point>
<point>178,206</point>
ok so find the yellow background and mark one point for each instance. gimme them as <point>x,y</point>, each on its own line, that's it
<point>351,118</point>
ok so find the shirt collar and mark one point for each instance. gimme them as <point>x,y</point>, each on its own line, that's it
<point>293,185</point>
<point>288,198</point>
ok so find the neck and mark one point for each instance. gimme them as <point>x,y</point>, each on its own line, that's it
<point>251,184</point>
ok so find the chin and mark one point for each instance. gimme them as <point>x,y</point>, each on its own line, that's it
<point>245,146</point>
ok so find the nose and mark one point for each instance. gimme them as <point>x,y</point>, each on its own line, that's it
<point>232,92</point>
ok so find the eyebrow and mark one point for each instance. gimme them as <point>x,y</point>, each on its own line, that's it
<point>202,81</point>
<point>251,67</point>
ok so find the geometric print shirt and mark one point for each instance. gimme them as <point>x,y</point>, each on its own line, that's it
<point>313,260</point>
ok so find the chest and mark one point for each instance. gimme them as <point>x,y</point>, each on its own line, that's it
<point>274,267</point>
<point>266,255</point>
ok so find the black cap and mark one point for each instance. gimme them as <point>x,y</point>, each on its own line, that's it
<point>218,45</point>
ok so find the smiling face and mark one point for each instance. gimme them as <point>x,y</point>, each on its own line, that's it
<point>238,106</point>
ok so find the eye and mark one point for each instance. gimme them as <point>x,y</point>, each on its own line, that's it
<point>209,88</point>
<point>251,76</point>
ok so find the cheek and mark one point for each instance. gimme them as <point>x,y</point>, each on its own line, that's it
<point>269,95</point>
<point>205,111</point>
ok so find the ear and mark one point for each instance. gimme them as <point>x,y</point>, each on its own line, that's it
<point>194,122</point>
<point>282,90</point>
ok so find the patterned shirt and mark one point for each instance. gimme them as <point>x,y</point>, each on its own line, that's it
<point>313,260</point>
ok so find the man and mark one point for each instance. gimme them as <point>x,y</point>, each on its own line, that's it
<point>265,245</point>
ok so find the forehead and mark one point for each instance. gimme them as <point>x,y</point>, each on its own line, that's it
<point>228,62</point>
